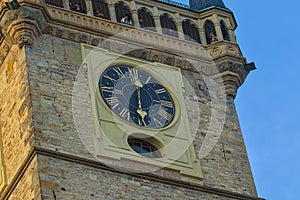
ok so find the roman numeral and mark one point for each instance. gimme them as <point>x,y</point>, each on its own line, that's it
<point>147,81</point>
<point>106,89</point>
<point>111,90</point>
<point>166,103</point>
<point>125,113</point>
<point>142,121</point>
<point>134,74</point>
<point>157,123</point>
<point>119,72</point>
<point>161,90</point>
<point>156,101</point>
<point>165,114</point>
<point>110,78</point>
<point>112,101</point>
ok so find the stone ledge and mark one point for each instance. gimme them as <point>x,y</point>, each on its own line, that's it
<point>99,165</point>
<point>88,24</point>
<point>71,158</point>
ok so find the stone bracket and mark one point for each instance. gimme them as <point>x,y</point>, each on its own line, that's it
<point>232,74</point>
<point>24,31</point>
<point>23,25</point>
<point>221,49</point>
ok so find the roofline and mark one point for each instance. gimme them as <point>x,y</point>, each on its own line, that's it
<point>224,9</point>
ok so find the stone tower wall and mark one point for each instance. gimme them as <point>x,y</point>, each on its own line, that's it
<point>17,133</point>
<point>53,67</point>
<point>45,158</point>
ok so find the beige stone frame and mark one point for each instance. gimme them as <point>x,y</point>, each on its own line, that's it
<point>175,141</point>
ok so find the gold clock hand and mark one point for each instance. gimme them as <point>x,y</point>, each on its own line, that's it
<point>139,97</point>
<point>140,111</point>
<point>142,114</point>
<point>138,83</point>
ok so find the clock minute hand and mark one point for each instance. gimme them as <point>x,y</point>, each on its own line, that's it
<point>138,85</point>
<point>140,111</point>
<point>139,97</point>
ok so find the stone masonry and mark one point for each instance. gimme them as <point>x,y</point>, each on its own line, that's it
<point>43,156</point>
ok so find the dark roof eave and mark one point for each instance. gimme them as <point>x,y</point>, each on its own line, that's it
<point>211,7</point>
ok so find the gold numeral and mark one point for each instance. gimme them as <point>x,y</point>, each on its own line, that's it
<point>110,78</point>
<point>119,72</point>
<point>134,74</point>
<point>112,101</point>
<point>159,91</point>
<point>165,114</point>
<point>157,123</point>
<point>166,103</point>
<point>125,113</point>
<point>142,121</point>
<point>106,89</point>
<point>147,81</point>
<point>111,90</point>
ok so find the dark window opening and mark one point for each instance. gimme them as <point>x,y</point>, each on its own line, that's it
<point>146,19</point>
<point>123,13</point>
<point>190,31</point>
<point>168,25</point>
<point>100,9</point>
<point>77,6</point>
<point>144,148</point>
<point>224,30</point>
<point>210,32</point>
<point>58,3</point>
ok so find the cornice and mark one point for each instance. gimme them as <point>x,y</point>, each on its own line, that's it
<point>98,165</point>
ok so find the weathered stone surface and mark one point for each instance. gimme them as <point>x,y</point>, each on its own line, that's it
<point>76,181</point>
<point>52,84</point>
<point>29,185</point>
<point>15,114</point>
<point>45,158</point>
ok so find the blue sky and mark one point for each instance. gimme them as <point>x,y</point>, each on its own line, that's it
<point>268,103</point>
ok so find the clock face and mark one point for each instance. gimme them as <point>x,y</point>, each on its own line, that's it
<point>137,97</point>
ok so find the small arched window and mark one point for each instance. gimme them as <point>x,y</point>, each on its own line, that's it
<point>144,148</point>
<point>224,30</point>
<point>146,19</point>
<point>123,10</point>
<point>210,31</point>
<point>100,9</point>
<point>58,3</point>
<point>77,6</point>
<point>168,25</point>
<point>190,31</point>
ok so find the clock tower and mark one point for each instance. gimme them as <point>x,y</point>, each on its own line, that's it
<point>107,99</point>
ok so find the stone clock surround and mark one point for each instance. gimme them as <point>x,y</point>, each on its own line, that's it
<point>175,141</point>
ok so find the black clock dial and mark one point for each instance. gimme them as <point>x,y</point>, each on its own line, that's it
<point>137,97</point>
